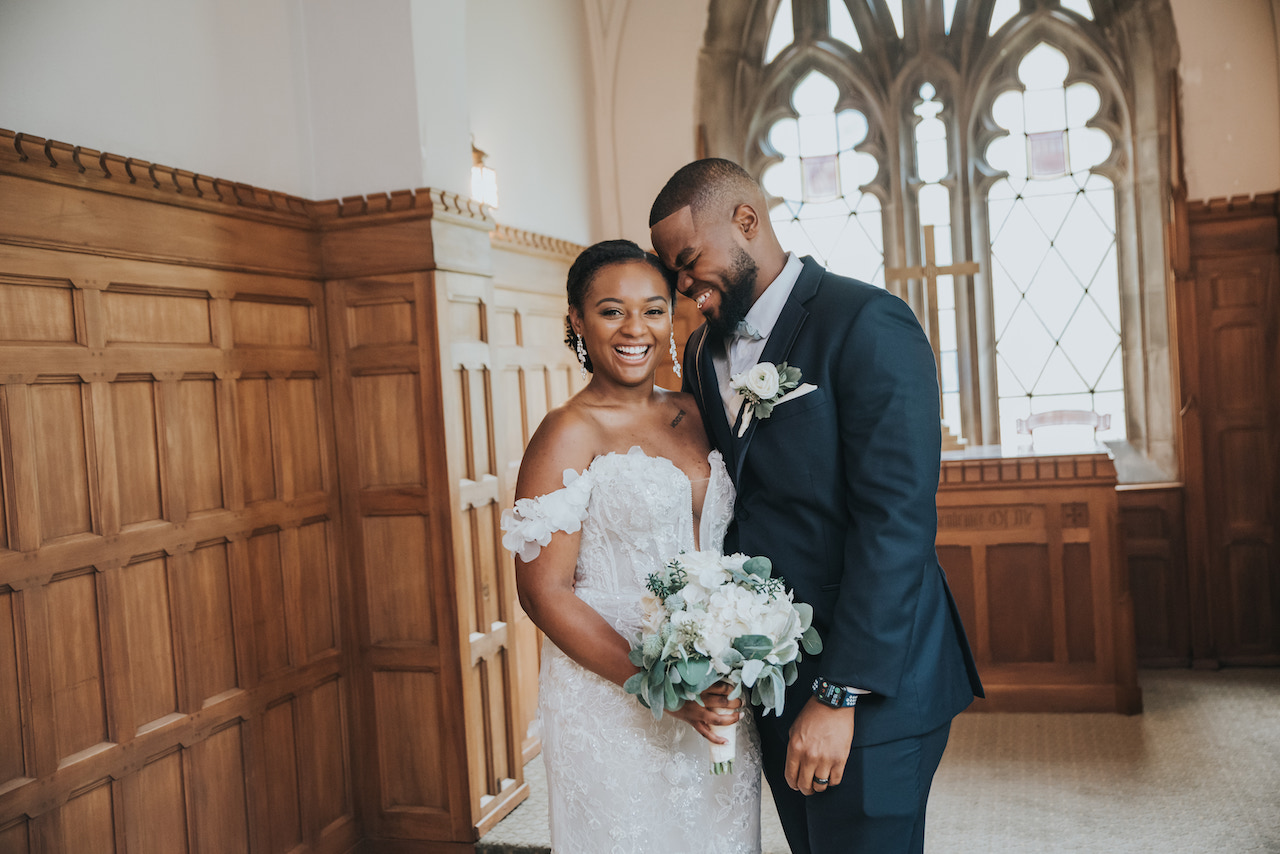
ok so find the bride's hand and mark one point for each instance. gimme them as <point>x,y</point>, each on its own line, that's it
<point>718,710</point>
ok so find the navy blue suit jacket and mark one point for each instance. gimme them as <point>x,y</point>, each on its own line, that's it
<point>838,488</point>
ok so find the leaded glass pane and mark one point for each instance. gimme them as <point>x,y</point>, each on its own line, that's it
<point>934,200</point>
<point>784,136</point>
<point>948,15</point>
<point>820,209</point>
<point>895,11</point>
<point>815,95</point>
<point>1003,12</point>
<point>1055,282</point>
<point>781,34</point>
<point>842,27</point>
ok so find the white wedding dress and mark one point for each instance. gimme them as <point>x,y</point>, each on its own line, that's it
<point>618,781</point>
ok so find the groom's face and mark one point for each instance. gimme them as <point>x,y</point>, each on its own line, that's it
<point>712,266</point>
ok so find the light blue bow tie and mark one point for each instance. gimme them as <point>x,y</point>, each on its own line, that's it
<point>746,331</point>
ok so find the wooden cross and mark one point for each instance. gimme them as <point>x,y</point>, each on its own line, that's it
<point>930,273</point>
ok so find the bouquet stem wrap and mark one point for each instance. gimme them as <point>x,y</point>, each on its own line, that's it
<point>722,755</point>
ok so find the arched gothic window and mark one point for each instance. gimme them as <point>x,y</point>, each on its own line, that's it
<point>1029,137</point>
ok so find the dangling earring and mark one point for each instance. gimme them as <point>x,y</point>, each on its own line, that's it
<point>582,357</point>
<point>675,359</point>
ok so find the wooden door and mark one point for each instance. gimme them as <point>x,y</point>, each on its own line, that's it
<point>1229,324</point>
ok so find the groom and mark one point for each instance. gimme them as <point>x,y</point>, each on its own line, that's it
<point>837,486</point>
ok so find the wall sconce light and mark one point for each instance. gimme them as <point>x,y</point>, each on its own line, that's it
<point>484,181</point>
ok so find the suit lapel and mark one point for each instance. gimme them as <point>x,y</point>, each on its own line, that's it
<point>781,339</point>
<point>708,387</point>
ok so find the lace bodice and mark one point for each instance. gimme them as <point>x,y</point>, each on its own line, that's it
<point>635,511</point>
<point>611,768</point>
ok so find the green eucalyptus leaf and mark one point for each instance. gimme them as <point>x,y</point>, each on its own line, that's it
<point>657,699</point>
<point>777,689</point>
<point>753,646</point>
<point>811,642</point>
<point>759,566</point>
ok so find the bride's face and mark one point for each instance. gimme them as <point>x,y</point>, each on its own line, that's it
<point>625,322</point>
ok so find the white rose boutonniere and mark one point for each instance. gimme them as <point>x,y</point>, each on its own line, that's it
<point>765,386</point>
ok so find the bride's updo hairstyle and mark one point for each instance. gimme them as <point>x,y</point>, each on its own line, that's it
<point>594,259</point>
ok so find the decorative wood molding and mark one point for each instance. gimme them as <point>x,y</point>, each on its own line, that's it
<point>514,238</point>
<point>1261,204</point>
<point>424,200</point>
<point>1026,471</point>
<point>27,156</point>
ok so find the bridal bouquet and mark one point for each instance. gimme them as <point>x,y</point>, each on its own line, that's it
<point>710,617</point>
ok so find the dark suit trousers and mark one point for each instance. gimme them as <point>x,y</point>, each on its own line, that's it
<point>879,807</point>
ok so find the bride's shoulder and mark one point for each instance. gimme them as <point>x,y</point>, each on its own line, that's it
<point>567,438</point>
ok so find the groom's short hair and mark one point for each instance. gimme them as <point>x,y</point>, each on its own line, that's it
<point>705,185</point>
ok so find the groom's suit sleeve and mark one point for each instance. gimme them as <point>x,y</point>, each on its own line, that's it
<point>887,398</point>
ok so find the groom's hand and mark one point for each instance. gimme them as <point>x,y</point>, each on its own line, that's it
<point>717,710</point>
<point>820,740</point>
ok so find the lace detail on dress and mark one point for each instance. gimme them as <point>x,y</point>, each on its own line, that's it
<point>620,782</point>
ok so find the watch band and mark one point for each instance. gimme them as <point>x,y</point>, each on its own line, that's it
<point>835,696</point>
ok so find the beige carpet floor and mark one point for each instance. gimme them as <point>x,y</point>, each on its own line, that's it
<point>1198,771</point>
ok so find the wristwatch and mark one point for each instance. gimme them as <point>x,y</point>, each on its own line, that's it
<point>835,696</point>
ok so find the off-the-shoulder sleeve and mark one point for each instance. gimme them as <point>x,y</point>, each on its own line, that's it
<point>530,524</point>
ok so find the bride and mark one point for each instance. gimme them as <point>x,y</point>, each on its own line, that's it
<point>613,483</point>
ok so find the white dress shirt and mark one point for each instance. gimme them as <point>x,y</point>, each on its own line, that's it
<point>742,352</point>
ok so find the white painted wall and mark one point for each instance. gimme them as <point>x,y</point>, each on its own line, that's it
<point>359,76</point>
<point>528,84</point>
<point>646,64</point>
<point>211,86</point>
<point>319,98</point>
<point>1230,96</point>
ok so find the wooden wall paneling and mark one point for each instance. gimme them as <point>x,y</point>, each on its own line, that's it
<point>87,821</point>
<point>1031,551</point>
<point>408,742</point>
<point>218,792</point>
<point>1232,304</point>
<point>14,758</point>
<point>380,428</point>
<point>533,372</point>
<point>1151,519</point>
<point>155,808</point>
<point>165,444</point>
<point>462,305</point>
<point>283,806</point>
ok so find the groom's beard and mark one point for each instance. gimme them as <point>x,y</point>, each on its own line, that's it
<point>735,299</point>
